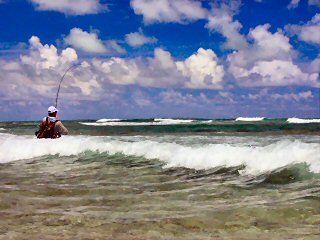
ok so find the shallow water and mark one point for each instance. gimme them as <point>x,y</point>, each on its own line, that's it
<point>179,182</point>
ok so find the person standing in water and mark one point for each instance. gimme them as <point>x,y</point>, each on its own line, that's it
<point>51,127</point>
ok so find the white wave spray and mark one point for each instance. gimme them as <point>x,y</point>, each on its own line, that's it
<point>301,121</point>
<point>247,119</point>
<point>108,120</point>
<point>256,160</point>
<point>119,122</point>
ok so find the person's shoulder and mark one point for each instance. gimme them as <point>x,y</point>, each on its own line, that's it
<point>44,119</point>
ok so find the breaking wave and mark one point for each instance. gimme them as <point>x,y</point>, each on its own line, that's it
<point>247,119</point>
<point>300,120</point>
<point>255,160</point>
<point>108,120</point>
<point>116,123</point>
<point>119,122</point>
<point>172,121</point>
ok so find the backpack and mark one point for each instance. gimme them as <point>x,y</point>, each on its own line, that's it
<point>47,130</point>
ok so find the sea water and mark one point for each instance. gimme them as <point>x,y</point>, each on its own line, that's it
<point>247,178</point>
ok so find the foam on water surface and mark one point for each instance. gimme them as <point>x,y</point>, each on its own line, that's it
<point>247,119</point>
<point>256,160</point>
<point>302,121</point>
<point>120,122</point>
<point>108,120</point>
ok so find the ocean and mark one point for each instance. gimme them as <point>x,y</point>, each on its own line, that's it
<point>245,178</point>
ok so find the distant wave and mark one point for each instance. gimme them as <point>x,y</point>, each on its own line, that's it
<point>300,120</point>
<point>172,121</point>
<point>108,120</point>
<point>2,129</point>
<point>247,119</point>
<point>256,160</point>
<point>119,122</point>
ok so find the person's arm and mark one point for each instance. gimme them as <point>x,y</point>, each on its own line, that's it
<point>61,129</point>
<point>41,128</point>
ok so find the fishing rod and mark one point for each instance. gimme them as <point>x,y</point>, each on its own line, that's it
<point>65,73</point>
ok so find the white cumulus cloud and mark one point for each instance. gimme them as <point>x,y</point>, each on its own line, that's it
<point>90,43</point>
<point>45,57</point>
<point>166,11</point>
<point>306,95</point>
<point>291,96</point>
<point>224,24</point>
<point>268,61</point>
<point>38,72</point>
<point>70,7</point>
<point>137,39</point>
<point>117,70</point>
<point>202,69</point>
<point>87,42</point>
<point>32,78</point>
<point>113,46</point>
<point>220,19</point>
<point>314,66</point>
<point>279,72</point>
<point>309,32</point>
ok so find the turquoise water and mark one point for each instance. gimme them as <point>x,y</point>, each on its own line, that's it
<point>161,179</point>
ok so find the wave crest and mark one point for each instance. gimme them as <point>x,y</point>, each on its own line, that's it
<point>256,160</point>
<point>300,120</point>
<point>108,120</point>
<point>247,119</point>
<point>119,122</point>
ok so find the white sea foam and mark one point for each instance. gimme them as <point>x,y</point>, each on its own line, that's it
<point>172,121</point>
<point>157,121</point>
<point>108,120</point>
<point>255,159</point>
<point>247,119</point>
<point>300,120</point>
<point>118,123</point>
<point>2,129</point>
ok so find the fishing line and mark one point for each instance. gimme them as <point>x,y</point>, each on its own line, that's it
<point>65,73</point>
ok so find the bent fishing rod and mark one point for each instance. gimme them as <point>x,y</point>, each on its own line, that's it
<point>65,73</point>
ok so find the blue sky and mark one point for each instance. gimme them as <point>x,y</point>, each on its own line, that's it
<point>160,58</point>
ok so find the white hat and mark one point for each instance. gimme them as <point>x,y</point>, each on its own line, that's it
<point>52,109</point>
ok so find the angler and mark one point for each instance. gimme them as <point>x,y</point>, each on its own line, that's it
<point>51,127</point>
